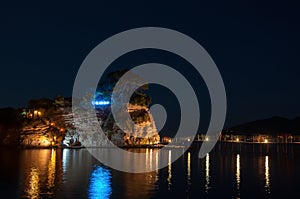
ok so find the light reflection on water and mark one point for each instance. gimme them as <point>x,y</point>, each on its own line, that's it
<point>267,174</point>
<point>51,170</point>
<point>33,191</point>
<point>65,159</point>
<point>169,170</point>
<point>150,159</point>
<point>40,179</point>
<point>207,175</point>
<point>189,168</point>
<point>100,184</point>
<point>156,161</point>
<point>58,173</point>
<point>238,174</point>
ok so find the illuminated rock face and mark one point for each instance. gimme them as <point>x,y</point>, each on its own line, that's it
<point>122,139</point>
<point>40,135</point>
<point>59,129</point>
<point>71,138</point>
<point>36,140</point>
<point>144,132</point>
<point>45,131</point>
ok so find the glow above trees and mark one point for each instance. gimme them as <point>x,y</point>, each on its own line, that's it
<point>101,103</point>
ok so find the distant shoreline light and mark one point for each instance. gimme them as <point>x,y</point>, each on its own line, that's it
<point>100,103</point>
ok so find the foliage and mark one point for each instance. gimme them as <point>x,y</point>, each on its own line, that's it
<point>41,103</point>
<point>105,89</point>
<point>140,116</point>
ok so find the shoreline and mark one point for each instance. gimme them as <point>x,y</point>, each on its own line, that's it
<point>147,146</point>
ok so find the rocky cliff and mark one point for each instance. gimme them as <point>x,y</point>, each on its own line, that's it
<point>143,133</point>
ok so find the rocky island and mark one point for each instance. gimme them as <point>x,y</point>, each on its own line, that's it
<point>49,122</point>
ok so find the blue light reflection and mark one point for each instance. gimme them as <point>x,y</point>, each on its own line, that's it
<point>100,183</point>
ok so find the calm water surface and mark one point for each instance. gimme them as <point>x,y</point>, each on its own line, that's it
<point>229,171</point>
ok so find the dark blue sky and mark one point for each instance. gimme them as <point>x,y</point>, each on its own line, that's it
<point>255,44</point>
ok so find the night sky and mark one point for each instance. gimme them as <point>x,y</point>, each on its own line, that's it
<point>255,45</point>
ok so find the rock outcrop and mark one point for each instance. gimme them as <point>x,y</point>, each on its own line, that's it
<point>48,123</point>
<point>44,131</point>
<point>143,132</point>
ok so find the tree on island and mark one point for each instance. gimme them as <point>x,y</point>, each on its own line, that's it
<point>105,88</point>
